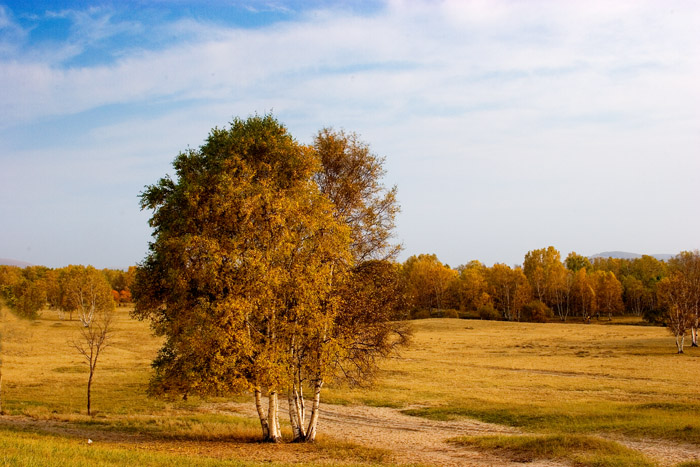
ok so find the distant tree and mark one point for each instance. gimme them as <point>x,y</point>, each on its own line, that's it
<point>125,296</point>
<point>562,283</point>
<point>583,295</point>
<point>116,278</point>
<point>9,277</point>
<point>94,337</point>
<point>427,282</point>
<point>472,287</point>
<point>638,298</point>
<point>129,276</point>
<point>574,262</point>
<point>53,289</point>
<point>543,268</point>
<point>87,291</point>
<point>509,290</point>
<point>686,266</point>
<point>29,298</point>
<point>608,292</point>
<point>674,294</point>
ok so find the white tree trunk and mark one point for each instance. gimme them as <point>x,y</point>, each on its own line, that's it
<point>313,420</point>
<point>261,414</point>
<point>273,419</point>
<point>680,340</point>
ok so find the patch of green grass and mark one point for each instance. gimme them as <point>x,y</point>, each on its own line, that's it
<point>173,425</point>
<point>71,369</point>
<point>582,450</point>
<point>678,424</point>
<point>32,449</point>
<point>547,378</point>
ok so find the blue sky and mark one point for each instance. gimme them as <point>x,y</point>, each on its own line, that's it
<point>506,125</point>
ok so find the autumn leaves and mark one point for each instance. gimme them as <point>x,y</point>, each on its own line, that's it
<point>264,251</point>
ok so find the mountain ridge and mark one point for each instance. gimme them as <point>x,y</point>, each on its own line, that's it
<point>628,255</point>
<point>13,262</point>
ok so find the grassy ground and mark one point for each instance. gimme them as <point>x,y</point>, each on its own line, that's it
<point>44,402</point>
<point>564,382</point>
<point>620,380</point>
<point>549,377</point>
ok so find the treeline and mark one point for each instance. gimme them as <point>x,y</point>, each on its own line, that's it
<point>546,287</point>
<point>29,290</point>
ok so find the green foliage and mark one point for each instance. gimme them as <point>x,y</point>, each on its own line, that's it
<point>575,262</point>
<point>582,450</point>
<point>536,312</point>
<point>420,314</point>
<point>488,312</point>
<point>28,298</point>
<point>244,250</point>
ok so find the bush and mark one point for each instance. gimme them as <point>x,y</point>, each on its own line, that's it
<point>450,314</point>
<point>488,312</point>
<point>420,314</point>
<point>655,316</point>
<point>536,312</point>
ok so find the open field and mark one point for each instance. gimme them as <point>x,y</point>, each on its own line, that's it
<point>502,393</point>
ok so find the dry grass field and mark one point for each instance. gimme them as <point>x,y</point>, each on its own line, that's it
<point>564,394</point>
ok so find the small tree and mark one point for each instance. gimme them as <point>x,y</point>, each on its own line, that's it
<point>86,290</point>
<point>92,340</point>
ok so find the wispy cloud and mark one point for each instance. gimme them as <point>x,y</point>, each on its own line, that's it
<point>492,113</point>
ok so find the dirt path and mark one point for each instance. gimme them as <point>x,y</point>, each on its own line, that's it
<point>420,440</point>
<point>412,439</point>
<point>667,453</point>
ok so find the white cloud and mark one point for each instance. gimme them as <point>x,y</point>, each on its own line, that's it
<point>491,114</point>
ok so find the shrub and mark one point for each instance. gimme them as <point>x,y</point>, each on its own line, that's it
<point>420,314</point>
<point>536,312</point>
<point>488,312</point>
<point>450,314</point>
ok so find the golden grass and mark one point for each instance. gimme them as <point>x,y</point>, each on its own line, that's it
<point>580,450</point>
<point>544,377</point>
<point>557,380</point>
<point>45,379</point>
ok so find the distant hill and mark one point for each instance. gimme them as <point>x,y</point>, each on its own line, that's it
<point>627,255</point>
<point>13,262</point>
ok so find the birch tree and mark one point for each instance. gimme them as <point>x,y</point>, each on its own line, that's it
<point>86,291</point>
<point>676,297</point>
<point>240,273</point>
<point>92,340</point>
<point>542,268</point>
<point>509,290</point>
<point>583,295</point>
<point>360,317</point>
<point>687,263</point>
<point>473,288</point>
<point>608,292</point>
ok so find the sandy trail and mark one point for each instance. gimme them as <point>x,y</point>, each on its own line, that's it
<point>412,439</point>
<point>420,440</point>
